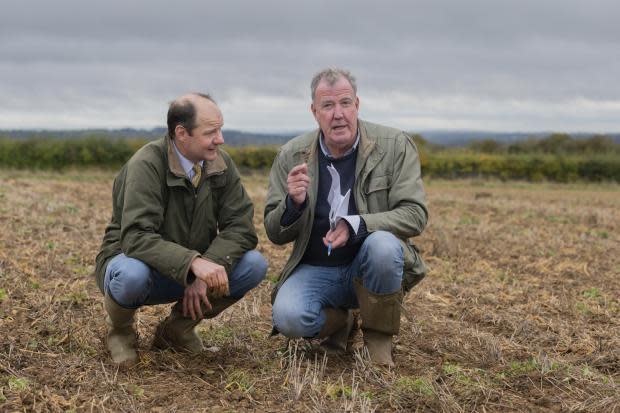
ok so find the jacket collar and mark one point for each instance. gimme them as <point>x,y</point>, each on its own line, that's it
<point>366,145</point>
<point>309,152</point>
<point>367,151</point>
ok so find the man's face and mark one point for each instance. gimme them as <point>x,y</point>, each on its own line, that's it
<point>201,142</point>
<point>335,109</point>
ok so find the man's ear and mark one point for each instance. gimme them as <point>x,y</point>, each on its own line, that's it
<point>180,133</point>
<point>313,110</point>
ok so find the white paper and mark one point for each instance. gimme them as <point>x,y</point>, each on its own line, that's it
<point>339,204</point>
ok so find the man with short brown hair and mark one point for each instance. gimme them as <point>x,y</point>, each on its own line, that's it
<point>181,231</point>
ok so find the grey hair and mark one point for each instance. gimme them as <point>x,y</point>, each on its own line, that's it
<point>331,75</point>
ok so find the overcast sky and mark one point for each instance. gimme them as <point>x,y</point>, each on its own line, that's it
<point>523,65</point>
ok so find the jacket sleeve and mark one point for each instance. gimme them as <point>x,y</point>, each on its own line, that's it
<point>276,204</point>
<point>236,232</point>
<point>407,214</point>
<point>142,217</point>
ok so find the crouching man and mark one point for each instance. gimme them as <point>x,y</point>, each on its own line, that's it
<point>181,231</point>
<point>349,195</point>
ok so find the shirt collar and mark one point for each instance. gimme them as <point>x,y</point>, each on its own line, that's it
<point>186,164</point>
<point>325,149</point>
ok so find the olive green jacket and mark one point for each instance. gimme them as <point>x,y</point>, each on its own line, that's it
<point>388,193</point>
<point>159,218</point>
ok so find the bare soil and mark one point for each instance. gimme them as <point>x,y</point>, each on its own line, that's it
<point>520,312</point>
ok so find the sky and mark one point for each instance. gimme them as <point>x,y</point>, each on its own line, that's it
<point>496,65</point>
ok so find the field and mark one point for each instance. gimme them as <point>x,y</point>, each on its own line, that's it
<point>520,312</point>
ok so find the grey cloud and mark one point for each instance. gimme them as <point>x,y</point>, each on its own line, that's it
<point>119,54</point>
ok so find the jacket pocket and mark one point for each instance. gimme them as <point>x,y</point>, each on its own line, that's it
<point>378,183</point>
<point>377,193</point>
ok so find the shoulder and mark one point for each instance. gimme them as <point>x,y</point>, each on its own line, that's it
<point>382,133</point>
<point>387,138</point>
<point>153,152</point>
<point>150,162</point>
<point>300,142</point>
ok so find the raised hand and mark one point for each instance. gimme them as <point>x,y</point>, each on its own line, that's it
<point>297,184</point>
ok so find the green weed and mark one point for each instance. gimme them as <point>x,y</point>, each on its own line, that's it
<point>583,308</point>
<point>136,390</point>
<point>468,220</point>
<point>419,385</point>
<point>219,335</point>
<point>75,297</point>
<point>18,383</point>
<point>338,391</point>
<point>519,368</point>
<point>239,380</point>
<point>592,293</point>
<point>457,373</point>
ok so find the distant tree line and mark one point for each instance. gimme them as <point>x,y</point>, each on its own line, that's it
<point>556,143</point>
<point>557,157</point>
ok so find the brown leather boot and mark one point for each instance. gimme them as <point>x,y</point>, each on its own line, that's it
<point>337,329</point>
<point>380,321</point>
<point>178,332</point>
<point>121,339</point>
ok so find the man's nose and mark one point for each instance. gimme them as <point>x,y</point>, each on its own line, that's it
<point>219,138</point>
<point>338,111</point>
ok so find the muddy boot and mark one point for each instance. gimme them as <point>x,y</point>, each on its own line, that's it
<point>380,321</point>
<point>337,329</point>
<point>218,305</point>
<point>178,332</point>
<point>121,340</point>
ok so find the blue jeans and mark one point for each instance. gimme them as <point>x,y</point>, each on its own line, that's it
<point>132,283</point>
<point>298,307</point>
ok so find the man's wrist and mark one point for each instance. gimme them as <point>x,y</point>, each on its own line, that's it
<point>292,212</point>
<point>298,207</point>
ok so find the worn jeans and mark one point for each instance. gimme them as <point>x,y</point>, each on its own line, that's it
<point>132,283</point>
<point>298,310</point>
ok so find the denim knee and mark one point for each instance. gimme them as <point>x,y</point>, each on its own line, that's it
<point>382,262</point>
<point>295,319</point>
<point>258,267</point>
<point>382,247</point>
<point>129,282</point>
<point>247,274</point>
